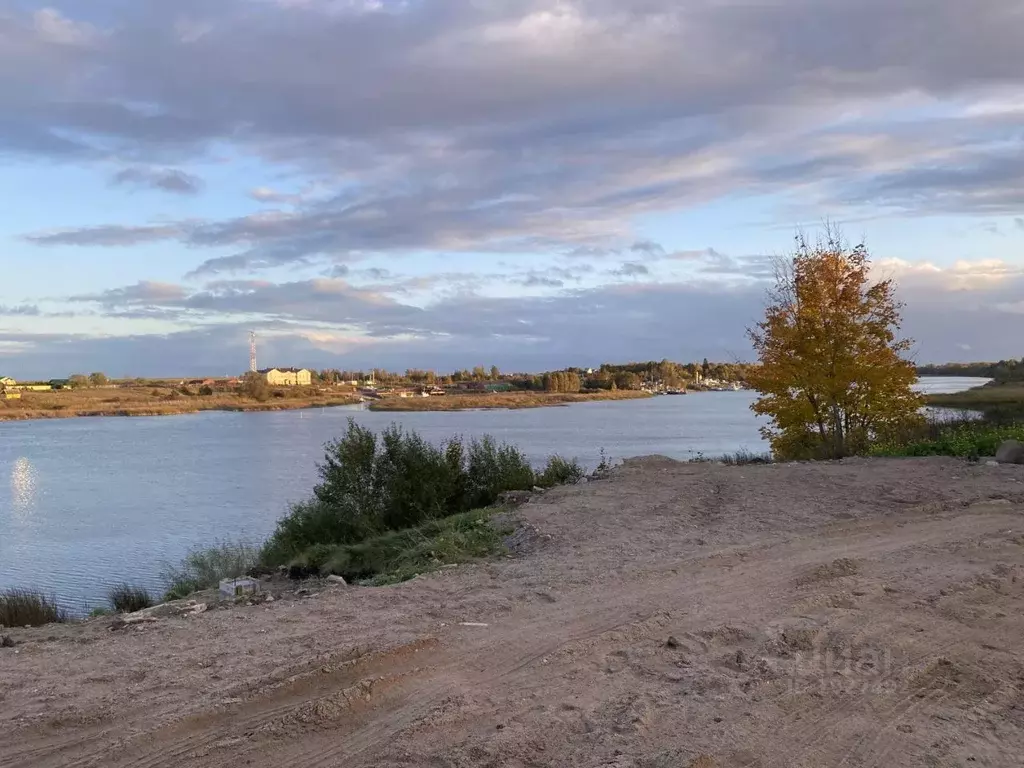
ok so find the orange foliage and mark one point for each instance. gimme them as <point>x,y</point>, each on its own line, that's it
<point>833,376</point>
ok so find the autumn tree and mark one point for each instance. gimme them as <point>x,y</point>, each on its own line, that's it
<point>627,380</point>
<point>833,375</point>
<point>255,386</point>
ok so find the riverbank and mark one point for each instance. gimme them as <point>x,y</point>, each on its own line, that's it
<point>500,400</point>
<point>992,399</point>
<point>671,613</point>
<point>158,402</point>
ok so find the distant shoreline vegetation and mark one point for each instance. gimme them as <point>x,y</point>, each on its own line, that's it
<point>414,390</point>
<point>1000,372</point>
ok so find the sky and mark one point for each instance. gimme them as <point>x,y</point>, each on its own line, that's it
<point>528,183</point>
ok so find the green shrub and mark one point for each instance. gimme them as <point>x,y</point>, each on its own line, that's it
<point>126,598</point>
<point>206,390</point>
<point>559,471</point>
<point>969,439</point>
<point>369,486</point>
<point>97,612</point>
<point>25,608</point>
<point>738,459</point>
<point>204,568</point>
<point>744,457</point>
<point>399,555</point>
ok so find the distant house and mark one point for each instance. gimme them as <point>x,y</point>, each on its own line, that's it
<point>7,381</point>
<point>411,392</point>
<point>287,377</point>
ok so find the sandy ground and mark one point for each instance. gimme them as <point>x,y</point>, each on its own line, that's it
<point>865,613</point>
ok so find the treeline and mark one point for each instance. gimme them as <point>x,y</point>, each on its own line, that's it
<point>411,376</point>
<point>1003,371</point>
<point>609,376</point>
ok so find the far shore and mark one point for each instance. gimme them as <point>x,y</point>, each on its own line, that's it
<point>500,400</point>
<point>70,407</point>
<point>167,401</point>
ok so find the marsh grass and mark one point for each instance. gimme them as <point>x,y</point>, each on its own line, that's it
<point>205,567</point>
<point>27,608</point>
<point>127,598</point>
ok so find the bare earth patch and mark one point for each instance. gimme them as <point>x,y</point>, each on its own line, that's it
<point>862,613</point>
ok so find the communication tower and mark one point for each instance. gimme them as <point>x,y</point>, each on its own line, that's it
<point>252,351</point>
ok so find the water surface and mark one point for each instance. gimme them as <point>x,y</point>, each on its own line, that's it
<point>85,503</point>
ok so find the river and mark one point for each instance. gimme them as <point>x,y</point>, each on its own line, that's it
<point>86,503</point>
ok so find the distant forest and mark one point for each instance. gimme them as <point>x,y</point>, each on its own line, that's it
<point>1004,370</point>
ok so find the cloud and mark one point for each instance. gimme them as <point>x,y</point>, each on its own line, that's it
<point>539,281</point>
<point>527,125</point>
<point>267,195</point>
<point>968,309</point>
<point>110,236</point>
<point>326,300</point>
<point>632,269</point>
<point>164,179</point>
<point>504,137</point>
<point>22,310</point>
<point>144,292</point>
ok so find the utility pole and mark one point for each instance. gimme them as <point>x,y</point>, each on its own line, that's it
<point>252,351</point>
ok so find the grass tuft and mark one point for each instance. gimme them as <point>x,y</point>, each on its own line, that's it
<point>25,608</point>
<point>126,598</point>
<point>397,556</point>
<point>737,459</point>
<point>205,567</point>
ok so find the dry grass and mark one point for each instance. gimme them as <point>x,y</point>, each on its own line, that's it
<point>160,399</point>
<point>1011,393</point>
<point>1000,403</point>
<point>511,400</point>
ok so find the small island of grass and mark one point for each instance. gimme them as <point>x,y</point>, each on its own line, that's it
<point>996,400</point>
<point>501,400</point>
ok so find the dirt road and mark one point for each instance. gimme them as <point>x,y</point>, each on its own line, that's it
<point>865,613</point>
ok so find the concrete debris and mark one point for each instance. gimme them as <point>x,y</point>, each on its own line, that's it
<point>339,580</point>
<point>239,587</point>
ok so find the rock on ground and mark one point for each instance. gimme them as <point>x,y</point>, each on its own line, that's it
<point>1010,452</point>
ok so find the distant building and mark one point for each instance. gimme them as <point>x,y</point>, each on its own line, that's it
<point>7,381</point>
<point>287,377</point>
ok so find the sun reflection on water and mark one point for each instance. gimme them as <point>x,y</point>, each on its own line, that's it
<point>24,486</point>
